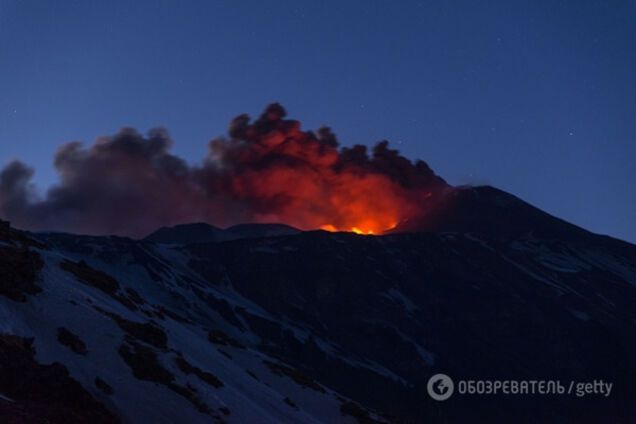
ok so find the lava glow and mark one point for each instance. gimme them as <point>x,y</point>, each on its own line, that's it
<point>333,229</point>
<point>366,231</point>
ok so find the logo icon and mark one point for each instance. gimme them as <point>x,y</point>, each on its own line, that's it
<point>440,387</point>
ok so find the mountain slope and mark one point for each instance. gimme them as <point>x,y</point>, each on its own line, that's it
<point>488,210</point>
<point>328,327</point>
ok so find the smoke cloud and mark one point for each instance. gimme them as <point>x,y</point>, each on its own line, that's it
<point>267,170</point>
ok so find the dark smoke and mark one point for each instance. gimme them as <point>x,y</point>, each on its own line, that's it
<point>268,170</point>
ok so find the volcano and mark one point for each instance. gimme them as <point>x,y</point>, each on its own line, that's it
<point>269,324</point>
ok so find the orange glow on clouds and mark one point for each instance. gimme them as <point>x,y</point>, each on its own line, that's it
<point>303,179</point>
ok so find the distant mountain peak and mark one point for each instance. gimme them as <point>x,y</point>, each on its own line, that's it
<point>205,233</point>
<point>488,210</point>
<point>199,232</point>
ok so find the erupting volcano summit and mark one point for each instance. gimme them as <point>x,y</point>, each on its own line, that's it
<point>266,170</point>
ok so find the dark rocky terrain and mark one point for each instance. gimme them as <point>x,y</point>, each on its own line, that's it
<point>275,325</point>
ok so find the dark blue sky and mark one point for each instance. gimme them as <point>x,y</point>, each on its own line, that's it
<point>537,98</point>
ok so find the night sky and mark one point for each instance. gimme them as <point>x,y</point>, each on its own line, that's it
<point>537,98</point>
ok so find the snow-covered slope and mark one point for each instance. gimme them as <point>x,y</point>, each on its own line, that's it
<point>125,321</point>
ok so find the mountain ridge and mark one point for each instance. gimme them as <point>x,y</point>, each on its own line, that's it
<point>326,327</point>
<point>206,233</point>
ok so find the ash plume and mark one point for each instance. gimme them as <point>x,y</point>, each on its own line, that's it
<point>266,170</point>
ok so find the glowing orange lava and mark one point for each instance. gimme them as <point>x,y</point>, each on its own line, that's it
<point>358,230</point>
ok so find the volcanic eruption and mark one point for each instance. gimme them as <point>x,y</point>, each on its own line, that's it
<point>266,170</point>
